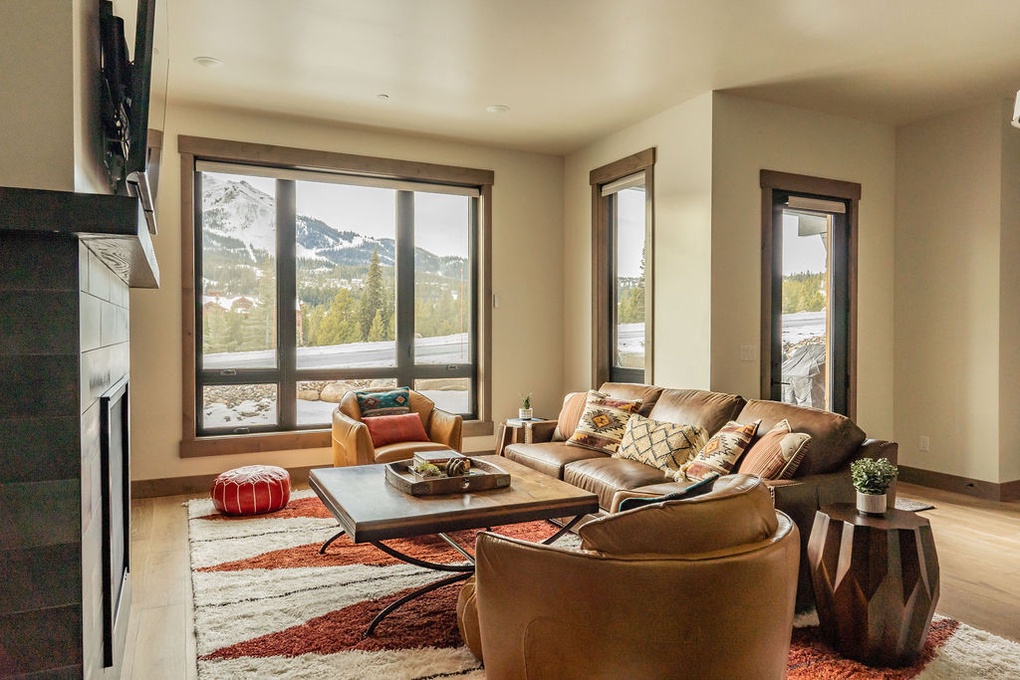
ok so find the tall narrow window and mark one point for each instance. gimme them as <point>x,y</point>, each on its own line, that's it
<point>308,283</point>
<point>808,284</point>
<point>622,256</point>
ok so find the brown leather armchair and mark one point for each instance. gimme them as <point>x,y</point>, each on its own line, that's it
<point>352,444</point>
<point>696,588</point>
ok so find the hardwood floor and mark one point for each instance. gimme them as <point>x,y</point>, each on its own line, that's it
<point>978,544</point>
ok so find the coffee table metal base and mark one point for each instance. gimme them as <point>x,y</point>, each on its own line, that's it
<point>463,571</point>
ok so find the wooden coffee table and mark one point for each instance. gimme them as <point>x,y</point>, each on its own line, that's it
<point>370,510</point>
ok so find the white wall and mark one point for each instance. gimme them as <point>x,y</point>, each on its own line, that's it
<point>1009,301</point>
<point>682,137</point>
<point>749,136</point>
<point>49,64</point>
<point>948,211</point>
<point>37,104</point>
<point>527,260</point>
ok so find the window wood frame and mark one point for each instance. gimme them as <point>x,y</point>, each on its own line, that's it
<point>192,149</point>
<point>773,182</point>
<point>602,294</point>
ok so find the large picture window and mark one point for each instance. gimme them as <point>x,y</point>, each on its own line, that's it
<point>311,282</point>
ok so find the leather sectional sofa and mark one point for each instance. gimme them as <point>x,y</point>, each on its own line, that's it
<point>822,477</point>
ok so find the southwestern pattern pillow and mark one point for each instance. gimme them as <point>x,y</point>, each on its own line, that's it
<point>777,454</point>
<point>389,403</point>
<point>720,453</point>
<point>603,422</point>
<point>659,444</point>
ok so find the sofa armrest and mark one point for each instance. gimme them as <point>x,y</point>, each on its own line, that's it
<point>352,443</point>
<point>446,428</point>
<point>542,430</point>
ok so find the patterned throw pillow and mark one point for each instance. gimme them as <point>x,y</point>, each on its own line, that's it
<point>777,454</point>
<point>389,403</point>
<point>603,422</point>
<point>659,444</point>
<point>720,453</point>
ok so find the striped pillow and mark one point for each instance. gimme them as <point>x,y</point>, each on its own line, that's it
<point>570,415</point>
<point>777,454</point>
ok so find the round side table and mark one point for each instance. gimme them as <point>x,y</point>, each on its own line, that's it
<point>876,580</point>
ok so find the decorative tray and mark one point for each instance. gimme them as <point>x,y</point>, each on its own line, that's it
<point>481,476</point>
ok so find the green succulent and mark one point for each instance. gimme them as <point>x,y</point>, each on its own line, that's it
<point>526,400</point>
<point>427,470</point>
<point>873,475</point>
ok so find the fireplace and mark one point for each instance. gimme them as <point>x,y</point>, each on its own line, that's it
<point>114,439</point>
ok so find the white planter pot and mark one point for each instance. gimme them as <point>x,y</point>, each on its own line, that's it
<point>524,413</point>
<point>871,503</point>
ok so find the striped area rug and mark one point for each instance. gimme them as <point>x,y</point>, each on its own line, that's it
<point>267,605</point>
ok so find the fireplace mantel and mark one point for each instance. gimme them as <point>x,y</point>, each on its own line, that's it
<point>112,227</point>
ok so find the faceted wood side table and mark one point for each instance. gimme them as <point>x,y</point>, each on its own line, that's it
<point>876,582</point>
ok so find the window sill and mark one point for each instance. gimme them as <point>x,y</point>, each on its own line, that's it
<point>254,443</point>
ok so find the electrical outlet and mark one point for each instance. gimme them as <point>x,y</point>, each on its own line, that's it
<point>748,353</point>
<point>924,444</point>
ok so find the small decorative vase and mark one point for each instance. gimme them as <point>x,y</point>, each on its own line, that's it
<point>871,503</point>
<point>524,413</point>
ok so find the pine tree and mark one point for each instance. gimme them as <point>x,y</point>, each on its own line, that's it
<point>373,295</point>
<point>378,330</point>
<point>339,324</point>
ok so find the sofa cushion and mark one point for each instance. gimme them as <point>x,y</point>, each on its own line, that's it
<point>710,410</point>
<point>664,445</point>
<point>721,452</point>
<point>570,414</point>
<point>776,454</point>
<point>604,476</point>
<point>603,422</point>
<point>737,511</point>
<point>648,395</point>
<point>548,457</point>
<point>834,438</point>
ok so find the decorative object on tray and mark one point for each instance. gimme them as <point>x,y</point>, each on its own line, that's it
<point>436,458</point>
<point>525,411</point>
<point>872,477</point>
<point>468,475</point>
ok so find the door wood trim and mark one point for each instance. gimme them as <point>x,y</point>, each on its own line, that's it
<point>771,182</point>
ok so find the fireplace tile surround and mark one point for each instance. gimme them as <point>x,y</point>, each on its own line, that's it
<point>64,320</point>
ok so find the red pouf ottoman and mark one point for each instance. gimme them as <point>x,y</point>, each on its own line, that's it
<point>251,490</point>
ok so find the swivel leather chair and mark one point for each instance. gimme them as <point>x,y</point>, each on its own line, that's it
<point>695,588</point>
<point>352,443</point>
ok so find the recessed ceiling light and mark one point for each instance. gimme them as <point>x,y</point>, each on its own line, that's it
<point>382,96</point>
<point>208,62</point>
<point>497,108</point>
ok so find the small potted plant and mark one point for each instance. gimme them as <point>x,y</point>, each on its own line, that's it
<point>525,412</point>
<point>872,477</point>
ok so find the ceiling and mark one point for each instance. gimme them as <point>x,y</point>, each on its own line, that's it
<point>572,71</point>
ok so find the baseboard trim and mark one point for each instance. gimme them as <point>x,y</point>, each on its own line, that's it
<point>198,484</point>
<point>1005,491</point>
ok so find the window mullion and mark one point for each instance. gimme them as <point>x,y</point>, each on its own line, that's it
<point>286,300</point>
<point>405,287</point>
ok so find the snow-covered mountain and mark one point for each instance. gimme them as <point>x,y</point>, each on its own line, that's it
<point>237,216</point>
